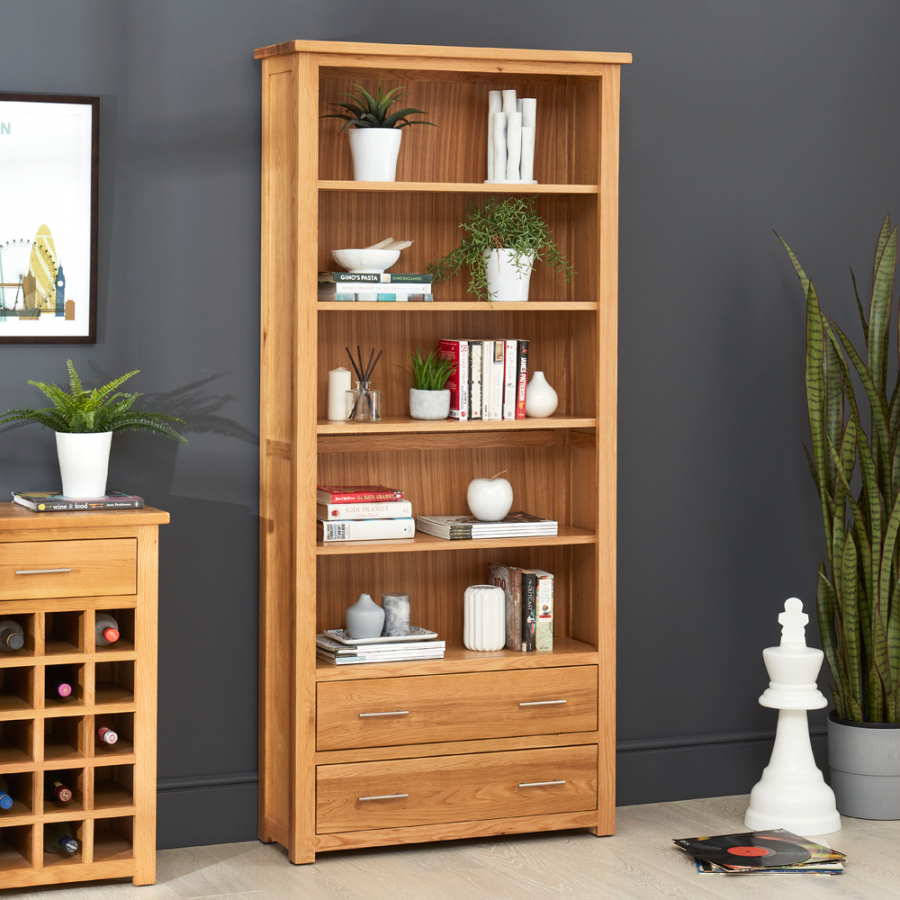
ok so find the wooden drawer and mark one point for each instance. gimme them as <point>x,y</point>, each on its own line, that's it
<point>424,709</point>
<point>85,569</point>
<point>436,790</point>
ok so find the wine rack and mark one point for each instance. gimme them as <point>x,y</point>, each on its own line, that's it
<point>112,811</point>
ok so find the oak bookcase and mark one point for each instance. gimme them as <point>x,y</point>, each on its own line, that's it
<point>461,762</point>
<point>57,571</point>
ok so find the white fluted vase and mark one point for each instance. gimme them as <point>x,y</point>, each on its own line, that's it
<point>484,625</point>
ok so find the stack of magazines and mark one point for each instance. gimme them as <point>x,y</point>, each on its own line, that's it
<point>461,528</point>
<point>336,647</point>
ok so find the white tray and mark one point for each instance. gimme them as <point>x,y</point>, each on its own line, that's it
<point>415,634</point>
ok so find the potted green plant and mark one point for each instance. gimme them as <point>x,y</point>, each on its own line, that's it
<point>84,422</point>
<point>375,133</point>
<point>503,241</point>
<point>859,586</point>
<point>429,398</point>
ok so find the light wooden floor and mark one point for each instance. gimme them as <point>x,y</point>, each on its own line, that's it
<point>639,862</point>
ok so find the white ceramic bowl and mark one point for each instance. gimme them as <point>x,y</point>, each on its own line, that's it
<point>365,260</point>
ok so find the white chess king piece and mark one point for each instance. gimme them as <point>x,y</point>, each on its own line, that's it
<point>792,793</point>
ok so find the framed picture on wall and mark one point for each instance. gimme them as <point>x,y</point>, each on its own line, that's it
<point>48,218</point>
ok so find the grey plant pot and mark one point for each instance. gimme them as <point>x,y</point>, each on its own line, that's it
<point>429,404</point>
<point>865,768</point>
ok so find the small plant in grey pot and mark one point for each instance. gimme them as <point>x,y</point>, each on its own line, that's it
<point>429,397</point>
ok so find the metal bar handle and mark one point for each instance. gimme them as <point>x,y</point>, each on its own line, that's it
<point>396,712</point>
<point>539,783</point>
<point>42,571</point>
<point>385,797</point>
<point>544,703</point>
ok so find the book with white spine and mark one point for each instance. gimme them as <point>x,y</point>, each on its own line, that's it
<point>365,529</point>
<point>399,509</point>
<point>510,379</point>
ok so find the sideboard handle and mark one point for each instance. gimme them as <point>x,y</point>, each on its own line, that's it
<point>539,783</point>
<point>397,712</point>
<point>42,571</point>
<point>544,703</point>
<point>385,797</point>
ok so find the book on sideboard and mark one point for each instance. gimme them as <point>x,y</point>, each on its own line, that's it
<point>52,501</point>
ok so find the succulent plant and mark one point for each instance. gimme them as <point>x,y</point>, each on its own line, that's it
<point>367,111</point>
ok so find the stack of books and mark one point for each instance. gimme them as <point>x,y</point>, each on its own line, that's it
<point>369,512</point>
<point>490,379</point>
<point>345,652</point>
<point>776,852</point>
<point>386,287</point>
<point>465,528</point>
<point>50,501</point>
<point>529,606</point>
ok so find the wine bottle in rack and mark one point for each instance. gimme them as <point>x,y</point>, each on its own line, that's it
<point>12,637</point>
<point>55,788</point>
<point>6,800</point>
<point>107,630</point>
<point>59,683</point>
<point>106,735</point>
<point>59,837</point>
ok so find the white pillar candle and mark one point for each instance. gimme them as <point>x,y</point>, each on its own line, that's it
<point>509,101</point>
<point>499,146</point>
<point>493,107</point>
<point>513,146</point>
<point>527,154</point>
<point>338,385</point>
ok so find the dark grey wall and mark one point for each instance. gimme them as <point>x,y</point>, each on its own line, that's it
<point>736,118</point>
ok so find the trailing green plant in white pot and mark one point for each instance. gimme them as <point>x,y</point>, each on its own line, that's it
<point>859,587</point>
<point>84,422</point>
<point>429,398</point>
<point>375,135</point>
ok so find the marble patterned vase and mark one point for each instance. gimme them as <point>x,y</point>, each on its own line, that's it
<point>396,615</point>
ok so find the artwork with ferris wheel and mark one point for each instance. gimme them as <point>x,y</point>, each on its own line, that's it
<point>48,218</point>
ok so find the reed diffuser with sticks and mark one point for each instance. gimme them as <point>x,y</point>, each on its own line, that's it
<point>363,404</point>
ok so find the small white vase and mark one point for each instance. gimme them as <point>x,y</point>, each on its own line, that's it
<point>83,463</point>
<point>365,619</point>
<point>505,281</point>
<point>429,404</point>
<point>374,152</point>
<point>484,625</point>
<point>540,399</point>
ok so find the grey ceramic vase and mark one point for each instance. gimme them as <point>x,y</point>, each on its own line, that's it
<point>364,619</point>
<point>865,768</point>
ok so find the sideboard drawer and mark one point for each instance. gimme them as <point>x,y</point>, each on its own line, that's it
<point>387,712</point>
<point>434,790</point>
<point>47,569</point>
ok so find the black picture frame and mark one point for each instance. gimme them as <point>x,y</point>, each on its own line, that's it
<point>94,103</point>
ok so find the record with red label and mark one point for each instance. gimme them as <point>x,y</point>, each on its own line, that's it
<point>753,850</point>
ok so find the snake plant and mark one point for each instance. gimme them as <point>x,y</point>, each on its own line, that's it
<point>858,595</point>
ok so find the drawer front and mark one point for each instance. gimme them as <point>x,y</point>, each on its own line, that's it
<point>424,709</point>
<point>436,790</point>
<point>47,569</point>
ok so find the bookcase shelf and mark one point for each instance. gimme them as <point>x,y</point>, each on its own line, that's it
<point>563,467</point>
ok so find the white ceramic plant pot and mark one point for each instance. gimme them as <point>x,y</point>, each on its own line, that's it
<point>374,152</point>
<point>540,398</point>
<point>484,626</point>
<point>83,463</point>
<point>429,404</point>
<point>505,281</point>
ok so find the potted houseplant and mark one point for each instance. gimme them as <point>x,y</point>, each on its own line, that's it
<point>859,586</point>
<point>503,241</point>
<point>429,398</point>
<point>84,422</point>
<point>375,135</point>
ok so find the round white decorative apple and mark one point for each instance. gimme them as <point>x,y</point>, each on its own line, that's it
<point>490,499</point>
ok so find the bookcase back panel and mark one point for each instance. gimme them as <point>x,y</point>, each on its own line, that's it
<point>457,103</point>
<point>436,583</point>
<point>432,222</point>
<point>552,349</point>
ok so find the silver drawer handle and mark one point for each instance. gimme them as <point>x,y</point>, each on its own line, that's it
<point>544,703</point>
<point>385,797</point>
<point>42,571</point>
<point>539,783</point>
<point>398,712</point>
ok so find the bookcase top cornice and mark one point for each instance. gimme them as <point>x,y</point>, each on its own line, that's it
<point>417,51</point>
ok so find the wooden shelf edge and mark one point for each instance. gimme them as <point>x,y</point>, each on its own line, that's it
<point>406,425</point>
<point>459,306</point>
<point>450,187</point>
<point>426,543</point>
<point>17,518</point>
